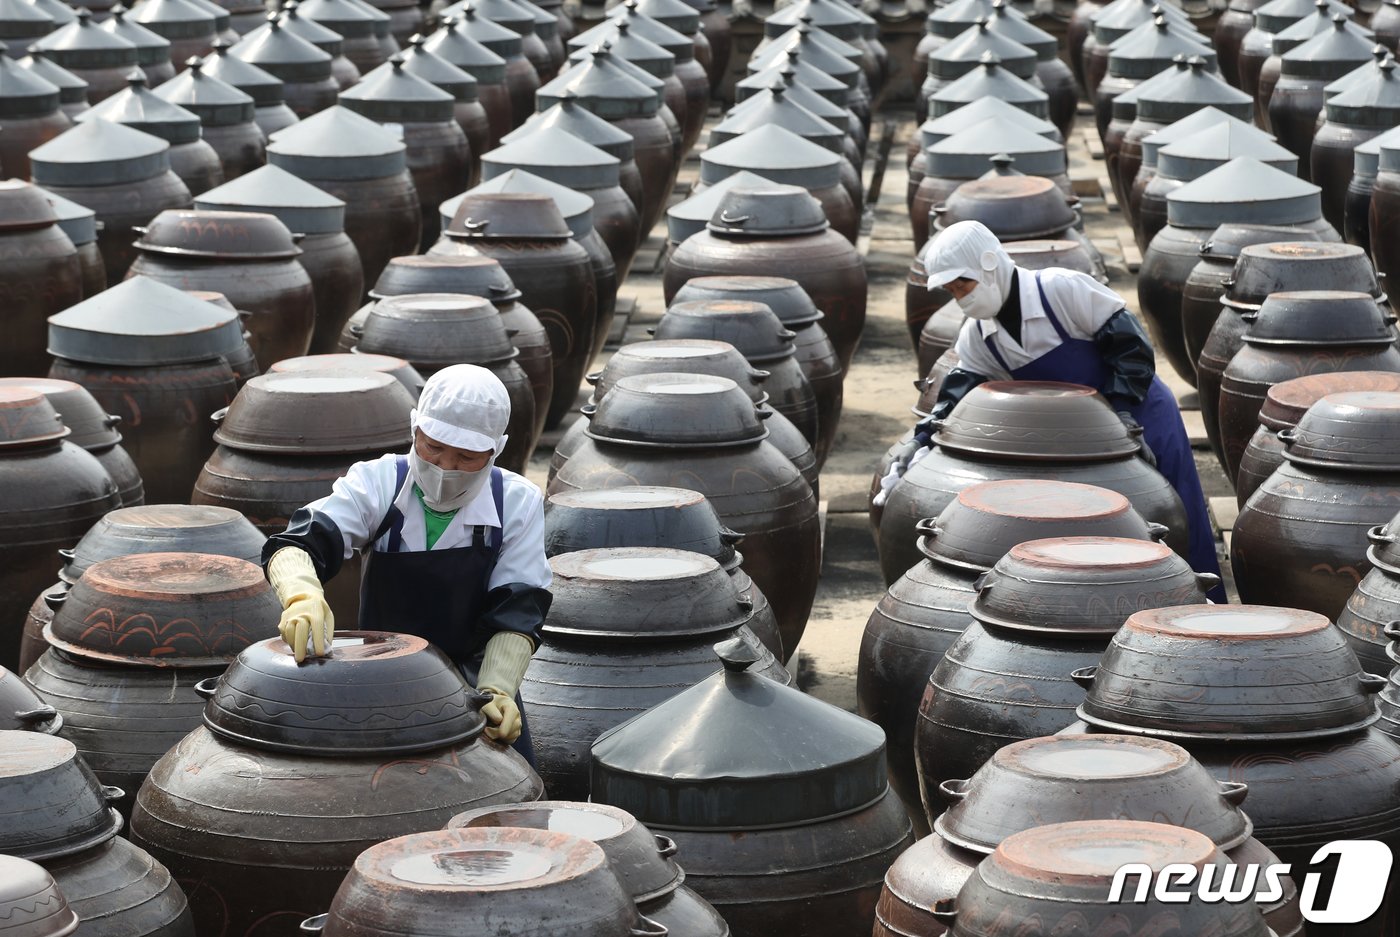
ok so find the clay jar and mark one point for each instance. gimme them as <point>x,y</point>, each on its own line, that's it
<point>1141,54</point>
<point>1202,119</point>
<point>1047,609</point>
<point>270,111</point>
<point>42,274</point>
<point>417,761</point>
<point>80,224</point>
<point>468,34</point>
<point>226,117</point>
<point>629,628</point>
<point>705,433</point>
<point>1383,211</point>
<point>529,238</point>
<point>829,826</point>
<point>640,47</point>
<point>305,70</point>
<point>1368,620</point>
<point>672,518</point>
<point>96,56</point>
<point>1024,429</point>
<point>327,254</point>
<point>251,258</point>
<point>54,490</point>
<point>467,108</point>
<point>366,167</point>
<point>1296,105</point>
<point>1257,44</point>
<point>1356,221</point>
<point>755,231</point>
<point>130,640</point>
<point>924,611</point>
<point>1362,112</point>
<point>1301,539</point>
<point>1295,334</point>
<point>29,105</point>
<point>432,331</point>
<point>120,173</point>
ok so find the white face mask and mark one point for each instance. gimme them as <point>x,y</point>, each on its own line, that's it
<point>984,302</point>
<point>443,490</point>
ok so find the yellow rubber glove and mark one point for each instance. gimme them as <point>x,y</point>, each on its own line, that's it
<point>502,669</point>
<point>306,618</point>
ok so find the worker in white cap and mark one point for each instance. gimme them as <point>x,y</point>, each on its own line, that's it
<point>453,547</point>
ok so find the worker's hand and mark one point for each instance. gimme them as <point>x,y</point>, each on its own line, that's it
<point>502,668</point>
<point>307,621</point>
<point>1135,428</point>
<point>503,721</point>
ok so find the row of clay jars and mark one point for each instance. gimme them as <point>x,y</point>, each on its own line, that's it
<point>1113,23</point>
<point>227,119</point>
<point>1257,46</point>
<point>31,107</point>
<point>937,129</point>
<point>1356,212</point>
<point>1368,620</point>
<point>1384,198</point>
<point>270,110</point>
<point>1367,106</point>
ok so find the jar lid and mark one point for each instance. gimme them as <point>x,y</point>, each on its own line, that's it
<point>1362,74</point>
<point>775,153</point>
<point>505,13</point>
<point>769,210</point>
<point>833,56</point>
<point>60,12</point>
<point>496,37</point>
<point>165,610</point>
<point>628,42</point>
<point>466,53</point>
<point>216,103</point>
<point>1229,673</point>
<point>27,419</point>
<point>677,42</point>
<point>1353,431</point>
<point>163,528</point>
<point>317,413</point>
<point>575,207</point>
<point>1287,401</point>
<point>23,708</point>
<point>428,273</point>
<point>989,79</point>
<point>1331,53</point>
<point>1081,587</point>
<point>965,154</point>
<point>1040,421</point>
<point>804,73</point>
<point>71,88</point>
<point>1188,126</point>
<point>1185,92</point>
<point>1194,156</point>
<point>175,19</point>
<point>1373,103</point>
<point>221,235</point>
<point>776,110</point>
<point>952,19</point>
<point>799,94</point>
<point>691,216</point>
<point>31,904</point>
<point>1319,317</point>
<point>265,89</point>
<point>601,84</point>
<point>839,19</point>
<point>1293,265</point>
<point>397,368</point>
<point>1116,20</point>
<point>91,427</point>
<point>143,322</point>
<point>572,118</point>
<point>151,48</point>
<point>135,106</point>
<point>322,37</point>
<point>680,16</point>
<point>1150,48</point>
<point>24,206</point>
<point>1010,23</point>
<point>390,93</point>
<point>1244,190</point>
<point>436,330</point>
<point>508,216</point>
<point>1124,105</point>
<point>1278,15</point>
<point>302,207</point>
<point>337,144</point>
<point>351,20</point>
<point>373,693</point>
<point>970,115</point>
<point>66,809</point>
<point>554,154</point>
<point>681,356</point>
<point>1228,240</point>
<point>634,593</point>
<point>83,44</point>
<point>681,765</point>
<point>22,20</point>
<point>636,516</point>
<point>283,53</point>
<point>963,52</point>
<point>676,411</point>
<point>438,71</point>
<point>1014,207</point>
<point>98,152</point>
<point>1317,22</point>
<point>751,327</point>
<point>788,300</point>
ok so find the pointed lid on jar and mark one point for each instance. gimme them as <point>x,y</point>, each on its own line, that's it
<point>175,19</point>
<point>508,216</point>
<point>603,86</point>
<point>969,115</point>
<point>1187,126</point>
<point>152,48</point>
<point>66,810</point>
<point>1320,22</point>
<point>216,103</point>
<point>575,207</point>
<point>1035,420</point>
<point>961,54</point>
<point>568,115</point>
<point>391,94</point>
<point>142,322</point>
<point>301,206</point>
<point>439,72</point>
<point>1186,92</point>
<point>803,73</point>
<point>20,20</point>
<point>1360,73</point>
<point>1150,48</point>
<point>839,19</point>
<point>23,94</point>
<point>835,62</point>
<point>136,106</point>
<point>954,18</point>
<point>1368,154</point>
<point>99,152</point>
<point>71,88</point>
<point>322,37</point>
<point>989,79</point>
<point>631,45</point>
<point>337,143</point>
<point>1329,54</point>
<point>798,760</point>
<point>636,72</point>
<point>1244,190</point>
<point>677,411</point>
<point>1277,15</point>
<point>777,110</point>
<point>60,12</point>
<point>349,19</point>
<point>83,44</point>
<point>461,50</point>
<point>505,13</point>
<point>639,26</point>
<point>1374,102</point>
<point>265,89</point>
<point>1124,105</point>
<point>284,54</point>
<point>964,155</point>
<point>691,216</point>
<point>1194,156</point>
<point>77,221</point>
<point>1120,18</point>
<point>774,153</point>
<point>557,155</point>
<point>497,37</point>
<point>797,93</point>
<point>1008,22</point>
<point>751,327</point>
<point>676,14</point>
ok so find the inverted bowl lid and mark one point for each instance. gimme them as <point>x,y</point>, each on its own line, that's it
<point>317,412</point>
<point>963,52</point>
<point>508,216</point>
<point>224,235</point>
<point>1229,672</point>
<point>682,356</point>
<point>82,44</point>
<point>1244,190</point>
<point>568,115</point>
<point>1293,265</point>
<point>989,79</point>
<point>1041,421</point>
<point>788,300</point>
<point>437,329</point>
<point>397,368</point>
<point>554,153</point>
<point>974,113</point>
<point>680,764</point>
<point>98,152</point>
<point>28,419</point>
<point>302,207</point>
<point>1319,317</point>
<point>265,89</point>
<point>964,155</point>
<point>31,904</point>
<point>751,327</point>
<point>163,528</point>
<point>1287,401</point>
<point>428,273</point>
<point>372,693</point>
<point>24,206</point>
<point>1083,586</point>
<point>1352,431</point>
<point>1012,205</point>
<point>633,593</point>
<point>600,84</point>
<point>691,216</point>
<point>576,207</point>
<point>283,53</point>
<point>769,210</point>
<point>143,322</point>
<point>90,425</point>
<point>693,411</point>
<point>391,93</point>
<point>165,610</point>
<point>466,53</point>
<point>65,807</point>
<point>1194,156</point>
<point>438,71</point>
<point>336,144</point>
<point>216,103</point>
<point>636,516</point>
<point>1063,778</point>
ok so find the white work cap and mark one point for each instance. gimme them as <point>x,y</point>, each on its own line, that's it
<point>464,406</point>
<point>967,249</point>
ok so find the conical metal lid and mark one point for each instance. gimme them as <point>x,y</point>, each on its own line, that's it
<point>1369,155</point>
<point>964,155</point>
<point>505,13</point>
<point>391,94</point>
<point>437,71</point>
<point>136,106</point>
<point>1277,15</point>
<point>603,86</point>
<point>24,94</point>
<point>142,322</point>
<point>1186,92</point>
<point>456,47</point>
<point>77,221</point>
<point>556,155</point>
<point>953,19</point>
<point>572,118</point>
<point>337,144</point>
<point>71,88</point>
<point>99,152</point>
<point>962,54</point>
<point>1360,73</point>
<point>1124,105</point>
<point>351,20</point>
<point>1148,49</point>
<point>1118,19</point>
<point>151,48</point>
<point>322,37</point>
<point>673,41</point>
<point>174,19</point>
<point>265,89</point>
<point>222,17</point>
<point>691,216</point>
<point>775,153</point>
<point>797,93</point>
<point>22,20</point>
<point>61,13</point>
<point>1198,154</point>
<point>970,115</point>
<point>81,44</point>
<point>839,19</point>
<point>1008,22</point>
<point>497,37</point>
<point>1330,54</point>
<point>282,53</point>
<point>682,17</point>
<point>819,52</point>
<point>1319,23</point>
<point>1374,103</point>
<point>631,46</point>
<point>546,23</point>
<point>508,216</point>
<point>797,760</point>
<point>804,73</point>
<point>1244,191</point>
<point>301,206</point>
<point>576,207</point>
<point>216,103</point>
<point>776,110</point>
<point>989,79</point>
<point>1186,126</point>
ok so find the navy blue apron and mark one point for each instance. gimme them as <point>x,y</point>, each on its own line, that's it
<point>437,595</point>
<point>1077,361</point>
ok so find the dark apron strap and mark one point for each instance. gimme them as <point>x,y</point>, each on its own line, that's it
<point>1049,310</point>
<point>392,522</point>
<point>992,347</point>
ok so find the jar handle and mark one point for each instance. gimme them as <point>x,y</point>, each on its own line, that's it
<point>984,582</point>
<point>1249,317</point>
<point>218,415</point>
<point>1084,676</point>
<point>112,421</point>
<point>745,601</point>
<point>1392,630</point>
<point>736,220</point>
<point>1234,792</point>
<point>588,410</point>
<point>478,700</point>
<point>758,375</point>
<point>66,555</point>
<point>730,537</point>
<point>1378,536</point>
<point>665,846</point>
<point>205,688</point>
<point>314,925</point>
<point>1207,581</point>
<point>1372,682</point>
<point>593,377</point>
<point>473,226</point>
<point>1157,532</point>
<point>55,599</point>
<point>36,715</point>
<point>945,911</point>
<point>111,793</point>
<point>1206,248</point>
<point>764,412</point>
<point>1288,435</point>
<point>928,526</point>
<point>954,790</point>
<point>648,928</point>
<point>940,209</point>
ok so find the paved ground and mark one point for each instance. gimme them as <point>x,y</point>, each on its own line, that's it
<point>878,394</point>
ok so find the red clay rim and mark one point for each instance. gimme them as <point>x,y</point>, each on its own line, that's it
<point>1037,499</point>
<point>1227,622</point>
<point>1091,553</point>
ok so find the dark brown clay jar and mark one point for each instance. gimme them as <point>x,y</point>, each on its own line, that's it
<point>288,854</point>
<point>522,78</point>
<point>527,235</point>
<point>925,610</point>
<point>1369,618</point>
<point>41,274</point>
<point>1230,29</point>
<point>1361,113</point>
<point>80,224</point>
<point>31,108</point>
<point>484,65</point>
<point>767,501</point>
<point>120,173</point>
<point>1296,105</point>
<point>1382,217</point>
<point>250,258</point>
